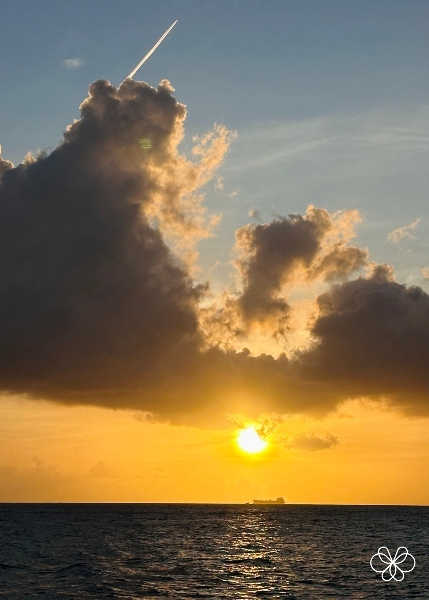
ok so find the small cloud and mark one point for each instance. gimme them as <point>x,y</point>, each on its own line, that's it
<point>214,266</point>
<point>29,158</point>
<point>425,273</point>
<point>398,234</point>
<point>144,416</point>
<point>219,183</point>
<point>234,193</point>
<point>255,214</point>
<point>311,443</point>
<point>38,462</point>
<point>102,470</point>
<point>73,63</point>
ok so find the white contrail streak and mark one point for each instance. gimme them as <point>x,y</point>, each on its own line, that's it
<point>144,59</point>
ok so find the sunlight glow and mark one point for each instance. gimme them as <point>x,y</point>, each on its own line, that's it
<point>250,441</point>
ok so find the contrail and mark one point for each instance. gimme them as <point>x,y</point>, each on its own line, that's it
<point>144,59</point>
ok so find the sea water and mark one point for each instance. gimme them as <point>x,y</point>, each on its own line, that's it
<point>184,551</point>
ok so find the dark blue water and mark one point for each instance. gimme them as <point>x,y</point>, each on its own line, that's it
<point>153,551</point>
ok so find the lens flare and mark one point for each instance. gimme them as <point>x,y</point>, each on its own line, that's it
<point>145,144</point>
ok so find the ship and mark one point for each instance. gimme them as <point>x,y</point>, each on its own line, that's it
<point>276,501</point>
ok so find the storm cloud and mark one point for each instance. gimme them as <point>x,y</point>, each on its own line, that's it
<point>97,302</point>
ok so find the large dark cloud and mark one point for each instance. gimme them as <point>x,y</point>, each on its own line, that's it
<point>91,298</point>
<point>372,339</point>
<point>95,306</point>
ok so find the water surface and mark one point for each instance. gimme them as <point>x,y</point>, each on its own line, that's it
<point>184,551</point>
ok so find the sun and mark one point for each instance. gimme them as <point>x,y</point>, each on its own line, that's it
<point>250,441</point>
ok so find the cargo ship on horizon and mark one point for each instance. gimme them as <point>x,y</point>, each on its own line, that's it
<point>278,500</point>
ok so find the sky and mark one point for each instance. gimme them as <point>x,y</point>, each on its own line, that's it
<point>237,238</point>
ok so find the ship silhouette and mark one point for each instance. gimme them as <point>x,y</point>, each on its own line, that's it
<point>278,500</point>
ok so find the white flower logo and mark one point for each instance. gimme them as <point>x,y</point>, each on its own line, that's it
<point>392,571</point>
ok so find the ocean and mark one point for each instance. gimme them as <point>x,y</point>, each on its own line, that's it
<point>184,551</point>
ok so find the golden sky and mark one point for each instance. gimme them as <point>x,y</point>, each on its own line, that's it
<point>126,377</point>
<point>56,453</point>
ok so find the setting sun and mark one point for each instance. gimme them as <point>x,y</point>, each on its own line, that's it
<point>250,441</point>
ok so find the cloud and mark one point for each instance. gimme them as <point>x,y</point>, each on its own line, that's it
<point>102,470</point>
<point>73,63</point>
<point>184,220</point>
<point>92,299</point>
<point>219,183</point>
<point>315,245</point>
<point>400,233</point>
<point>144,417</point>
<point>311,443</point>
<point>350,150</point>
<point>5,165</point>
<point>97,304</point>
<point>425,273</point>
<point>371,339</point>
<point>274,256</point>
<point>265,425</point>
<point>253,213</point>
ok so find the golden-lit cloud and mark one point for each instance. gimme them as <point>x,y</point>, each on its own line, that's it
<point>5,165</point>
<point>400,233</point>
<point>277,254</point>
<point>273,259</point>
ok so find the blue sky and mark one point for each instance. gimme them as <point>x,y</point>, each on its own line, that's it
<point>329,100</point>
